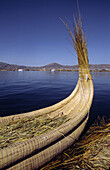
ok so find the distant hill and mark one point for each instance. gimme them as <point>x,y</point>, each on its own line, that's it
<point>53,65</point>
<point>99,66</point>
<point>56,66</point>
<point>59,67</point>
<point>6,66</point>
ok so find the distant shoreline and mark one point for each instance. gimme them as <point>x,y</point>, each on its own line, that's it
<point>53,67</point>
<point>103,70</point>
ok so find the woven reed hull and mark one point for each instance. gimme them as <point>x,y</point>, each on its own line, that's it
<point>76,106</point>
<point>48,154</point>
<point>35,152</point>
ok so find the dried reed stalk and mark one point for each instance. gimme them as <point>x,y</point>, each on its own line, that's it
<point>80,46</point>
<point>92,151</point>
<point>27,128</point>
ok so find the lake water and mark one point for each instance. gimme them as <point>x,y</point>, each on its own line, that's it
<point>26,91</point>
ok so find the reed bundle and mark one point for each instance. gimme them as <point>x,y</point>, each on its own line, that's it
<point>27,128</point>
<point>92,151</point>
<point>80,46</point>
<point>68,118</point>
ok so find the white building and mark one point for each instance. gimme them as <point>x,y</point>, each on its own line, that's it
<point>52,70</point>
<point>20,69</point>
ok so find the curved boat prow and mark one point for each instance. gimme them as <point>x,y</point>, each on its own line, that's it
<point>35,152</point>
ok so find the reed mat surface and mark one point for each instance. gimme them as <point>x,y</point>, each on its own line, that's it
<point>27,128</point>
<point>92,151</point>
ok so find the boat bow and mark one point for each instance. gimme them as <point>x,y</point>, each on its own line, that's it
<point>35,152</point>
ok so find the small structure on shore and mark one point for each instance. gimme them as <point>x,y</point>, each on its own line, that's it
<point>52,70</point>
<point>20,69</point>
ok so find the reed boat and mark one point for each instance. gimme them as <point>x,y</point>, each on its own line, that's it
<point>34,152</point>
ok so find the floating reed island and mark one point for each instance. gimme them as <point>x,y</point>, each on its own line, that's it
<point>30,140</point>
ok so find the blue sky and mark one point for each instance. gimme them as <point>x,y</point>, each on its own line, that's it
<point>31,32</point>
